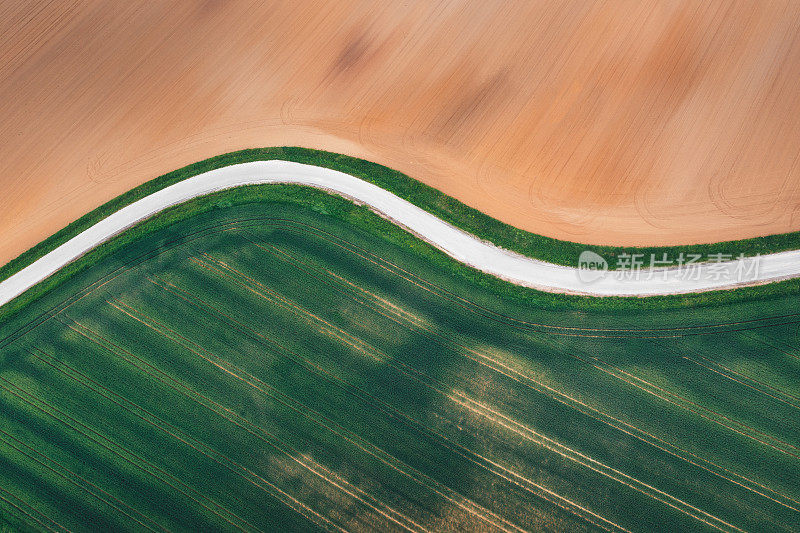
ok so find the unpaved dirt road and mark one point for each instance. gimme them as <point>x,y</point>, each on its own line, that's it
<point>619,122</point>
<point>454,242</point>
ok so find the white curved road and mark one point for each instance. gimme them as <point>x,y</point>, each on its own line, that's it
<point>456,243</point>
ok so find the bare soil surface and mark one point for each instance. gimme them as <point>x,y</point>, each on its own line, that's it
<point>608,122</point>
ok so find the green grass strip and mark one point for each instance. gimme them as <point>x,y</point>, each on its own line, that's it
<point>362,218</point>
<point>432,200</point>
<point>424,196</point>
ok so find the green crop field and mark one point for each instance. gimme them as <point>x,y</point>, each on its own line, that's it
<point>265,366</point>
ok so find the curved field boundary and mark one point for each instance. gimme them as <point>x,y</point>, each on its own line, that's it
<point>551,250</point>
<point>457,243</point>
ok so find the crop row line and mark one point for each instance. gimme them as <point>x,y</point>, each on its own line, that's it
<point>365,348</point>
<point>348,387</point>
<point>314,416</point>
<point>276,442</point>
<point>126,266</point>
<point>483,311</point>
<point>34,401</point>
<point>30,512</point>
<point>219,509</point>
<point>681,402</point>
<point>42,459</point>
<point>348,339</point>
<point>528,433</point>
<point>408,321</point>
<point>226,413</point>
<point>539,487</point>
<point>741,381</point>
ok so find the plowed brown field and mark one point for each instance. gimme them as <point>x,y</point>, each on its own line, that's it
<point>608,122</point>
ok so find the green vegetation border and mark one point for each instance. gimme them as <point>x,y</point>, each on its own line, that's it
<point>432,200</point>
<point>366,220</point>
